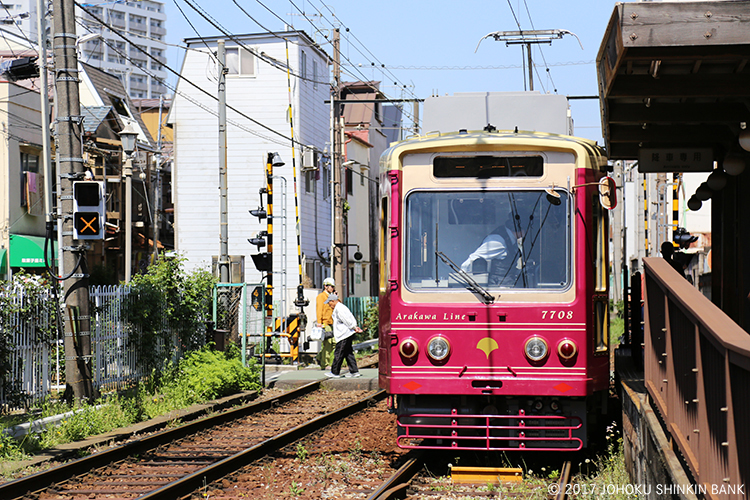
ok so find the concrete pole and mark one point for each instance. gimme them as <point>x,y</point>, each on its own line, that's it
<point>69,130</point>
<point>223,208</point>
<point>337,261</point>
<point>157,191</point>
<point>44,97</point>
<point>617,235</point>
<point>531,66</point>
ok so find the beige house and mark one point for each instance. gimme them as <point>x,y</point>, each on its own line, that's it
<point>22,212</point>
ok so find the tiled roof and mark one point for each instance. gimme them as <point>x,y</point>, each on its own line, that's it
<point>106,85</point>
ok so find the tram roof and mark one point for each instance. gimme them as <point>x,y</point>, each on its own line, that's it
<point>484,140</point>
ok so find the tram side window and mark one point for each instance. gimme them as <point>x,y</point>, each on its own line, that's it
<point>601,266</point>
<point>385,238</point>
<point>600,225</point>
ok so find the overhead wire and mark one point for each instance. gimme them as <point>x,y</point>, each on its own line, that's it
<point>210,52</point>
<point>467,68</point>
<point>348,31</point>
<point>263,57</point>
<point>201,105</point>
<point>364,77</point>
<point>15,23</point>
<point>198,87</point>
<point>549,75</point>
<point>311,24</point>
<point>528,47</point>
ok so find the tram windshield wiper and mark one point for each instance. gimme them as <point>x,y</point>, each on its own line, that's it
<point>469,282</point>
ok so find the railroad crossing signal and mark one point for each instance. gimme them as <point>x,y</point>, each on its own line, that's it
<point>256,297</point>
<point>88,210</point>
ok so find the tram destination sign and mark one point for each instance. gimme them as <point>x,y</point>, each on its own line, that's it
<point>657,160</point>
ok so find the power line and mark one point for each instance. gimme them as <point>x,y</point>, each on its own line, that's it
<point>360,42</point>
<point>540,51</point>
<point>470,68</point>
<point>197,103</point>
<point>277,64</point>
<point>186,80</point>
<point>364,77</point>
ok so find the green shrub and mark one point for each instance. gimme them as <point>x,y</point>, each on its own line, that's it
<point>164,300</point>
<point>202,375</point>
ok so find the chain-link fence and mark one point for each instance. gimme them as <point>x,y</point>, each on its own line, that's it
<point>237,318</point>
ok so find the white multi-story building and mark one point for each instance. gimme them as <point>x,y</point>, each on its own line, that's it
<point>257,87</point>
<point>143,23</point>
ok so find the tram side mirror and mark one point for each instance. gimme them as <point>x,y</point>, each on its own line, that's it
<point>607,192</point>
<point>553,196</point>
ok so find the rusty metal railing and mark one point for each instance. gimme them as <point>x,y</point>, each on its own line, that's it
<point>697,372</point>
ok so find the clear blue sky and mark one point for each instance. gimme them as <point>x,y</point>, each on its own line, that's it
<point>410,36</point>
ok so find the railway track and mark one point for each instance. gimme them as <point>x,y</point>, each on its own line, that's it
<point>179,461</point>
<point>412,482</point>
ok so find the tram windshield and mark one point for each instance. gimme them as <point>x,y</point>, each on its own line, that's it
<point>517,239</point>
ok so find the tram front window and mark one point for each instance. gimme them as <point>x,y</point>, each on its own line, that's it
<point>501,239</point>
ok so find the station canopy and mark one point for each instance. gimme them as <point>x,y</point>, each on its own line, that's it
<point>674,76</point>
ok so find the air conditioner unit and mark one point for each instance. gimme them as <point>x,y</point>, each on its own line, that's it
<point>310,159</point>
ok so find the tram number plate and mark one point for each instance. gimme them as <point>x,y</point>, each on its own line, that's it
<point>550,315</point>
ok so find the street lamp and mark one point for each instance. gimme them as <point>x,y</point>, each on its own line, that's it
<point>127,137</point>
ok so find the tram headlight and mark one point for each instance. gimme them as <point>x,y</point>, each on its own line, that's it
<point>536,349</point>
<point>408,348</point>
<point>567,349</point>
<point>438,348</point>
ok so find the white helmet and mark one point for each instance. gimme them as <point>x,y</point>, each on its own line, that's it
<point>329,281</point>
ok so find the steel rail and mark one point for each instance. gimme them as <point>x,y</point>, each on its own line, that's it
<point>562,484</point>
<point>395,486</point>
<point>193,482</point>
<point>42,480</point>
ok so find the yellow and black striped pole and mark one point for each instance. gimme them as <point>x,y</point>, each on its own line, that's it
<point>294,165</point>
<point>645,213</point>
<point>269,248</point>
<point>676,179</point>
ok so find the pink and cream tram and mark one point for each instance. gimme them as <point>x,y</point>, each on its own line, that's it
<point>494,291</point>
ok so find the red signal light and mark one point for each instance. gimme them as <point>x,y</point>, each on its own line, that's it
<point>408,348</point>
<point>567,349</point>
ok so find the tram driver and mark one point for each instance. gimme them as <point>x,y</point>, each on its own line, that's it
<point>500,255</point>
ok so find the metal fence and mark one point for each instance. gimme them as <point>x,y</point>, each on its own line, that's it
<point>115,361</point>
<point>697,372</point>
<point>28,364</point>
<point>237,317</point>
<point>359,306</point>
<point>33,364</point>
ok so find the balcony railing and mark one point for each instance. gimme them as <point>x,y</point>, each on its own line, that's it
<point>697,372</point>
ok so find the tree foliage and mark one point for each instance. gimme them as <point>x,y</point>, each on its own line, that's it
<point>167,301</point>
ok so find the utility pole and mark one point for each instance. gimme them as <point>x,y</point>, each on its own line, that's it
<point>337,238</point>
<point>617,235</point>
<point>224,247</point>
<point>69,131</point>
<point>157,195</point>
